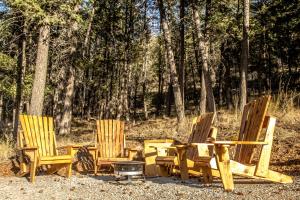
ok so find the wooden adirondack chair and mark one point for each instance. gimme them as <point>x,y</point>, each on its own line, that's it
<point>183,160</point>
<point>150,154</point>
<point>254,120</point>
<point>110,145</point>
<point>36,141</point>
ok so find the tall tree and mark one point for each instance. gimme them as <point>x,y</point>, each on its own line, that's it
<point>203,47</point>
<point>171,60</point>
<point>21,65</point>
<point>244,55</point>
<point>39,83</point>
<point>64,125</point>
<point>182,50</point>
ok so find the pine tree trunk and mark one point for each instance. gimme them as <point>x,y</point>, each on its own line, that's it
<point>145,62</point>
<point>144,71</point>
<point>228,87</point>
<point>171,60</point>
<point>66,118</point>
<point>203,94</point>
<point>194,84</point>
<point>39,83</point>
<point>58,96</point>
<point>202,104</point>
<point>203,47</point>
<point>69,67</point>
<point>244,56</point>
<point>1,106</point>
<point>182,52</point>
<point>21,65</point>
<point>160,97</point>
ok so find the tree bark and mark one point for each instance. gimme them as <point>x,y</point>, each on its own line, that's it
<point>66,115</point>
<point>244,55</point>
<point>38,88</point>
<point>1,107</point>
<point>160,97</point>
<point>171,60</point>
<point>66,118</point>
<point>203,95</point>
<point>145,63</point>
<point>21,65</point>
<point>203,47</point>
<point>202,104</point>
<point>182,52</point>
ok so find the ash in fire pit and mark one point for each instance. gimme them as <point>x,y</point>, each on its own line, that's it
<point>129,169</point>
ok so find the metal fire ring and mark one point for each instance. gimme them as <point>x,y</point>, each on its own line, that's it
<point>129,169</point>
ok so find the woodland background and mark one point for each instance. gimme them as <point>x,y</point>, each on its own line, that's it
<point>144,59</point>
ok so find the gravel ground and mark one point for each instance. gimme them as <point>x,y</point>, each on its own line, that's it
<point>105,187</point>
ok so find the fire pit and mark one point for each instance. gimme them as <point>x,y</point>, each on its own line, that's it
<point>129,169</point>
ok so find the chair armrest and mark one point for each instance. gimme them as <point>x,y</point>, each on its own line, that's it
<point>205,150</point>
<point>31,152</point>
<point>171,147</point>
<point>132,152</point>
<point>131,149</point>
<point>182,146</point>
<point>27,148</point>
<point>164,151</point>
<point>70,146</point>
<point>73,149</point>
<point>232,143</point>
<point>92,148</point>
<point>201,144</point>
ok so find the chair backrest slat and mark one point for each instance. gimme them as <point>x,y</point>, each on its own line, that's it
<point>24,134</point>
<point>110,138</point>
<point>98,138</point>
<point>38,132</point>
<point>29,137</point>
<point>200,132</point>
<point>251,125</point>
<point>117,140</point>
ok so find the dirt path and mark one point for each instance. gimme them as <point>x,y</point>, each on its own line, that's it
<point>105,187</point>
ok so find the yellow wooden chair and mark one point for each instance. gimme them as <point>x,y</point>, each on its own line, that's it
<point>183,160</point>
<point>37,146</point>
<point>150,153</point>
<point>110,144</point>
<point>254,122</point>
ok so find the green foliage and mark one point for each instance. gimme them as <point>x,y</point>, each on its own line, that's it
<point>7,69</point>
<point>46,11</point>
<point>123,49</point>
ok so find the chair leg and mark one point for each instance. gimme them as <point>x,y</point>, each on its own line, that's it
<point>183,166</point>
<point>207,175</point>
<point>94,154</point>
<point>69,170</point>
<point>95,169</point>
<point>223,163</point>
<point>33,166</point>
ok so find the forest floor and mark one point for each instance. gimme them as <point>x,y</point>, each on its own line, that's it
<point>285,158</point>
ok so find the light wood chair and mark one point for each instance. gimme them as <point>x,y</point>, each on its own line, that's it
<point>37,147</point>
<point>150,153</point>
<point>110,144</point>
<point>254,123</point>
<point>184,155</point>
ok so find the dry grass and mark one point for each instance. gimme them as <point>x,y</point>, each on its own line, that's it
<point>6,150</point>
